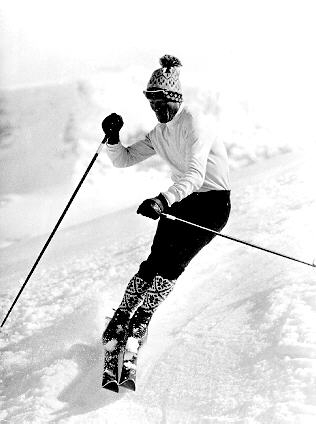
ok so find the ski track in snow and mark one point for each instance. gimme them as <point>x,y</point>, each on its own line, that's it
<point>234,343</point>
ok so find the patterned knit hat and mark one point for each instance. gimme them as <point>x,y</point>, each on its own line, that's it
<point>165,80</point>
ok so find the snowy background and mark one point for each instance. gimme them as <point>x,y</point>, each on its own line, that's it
<point>236,340</point>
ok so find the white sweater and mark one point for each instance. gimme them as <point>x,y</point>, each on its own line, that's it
<point>197,160</point>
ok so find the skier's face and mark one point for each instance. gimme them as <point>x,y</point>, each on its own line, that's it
<point>164,109</point>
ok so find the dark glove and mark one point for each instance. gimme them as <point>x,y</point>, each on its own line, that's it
<point>111,126</point>
<point>152,208</point>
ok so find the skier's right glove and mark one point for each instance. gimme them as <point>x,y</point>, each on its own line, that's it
<point>111,126</point>
<point>153,208</point>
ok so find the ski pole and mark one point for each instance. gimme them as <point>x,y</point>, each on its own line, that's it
<point>174,218</point>
<point>55,229</point>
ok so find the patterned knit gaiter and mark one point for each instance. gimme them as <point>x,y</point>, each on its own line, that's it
<point>134,294</point>
<point>157,293</point>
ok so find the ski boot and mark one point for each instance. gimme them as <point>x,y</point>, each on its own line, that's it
<point>137,335</point>
<point>117,328</point>
<point>138,326</point>
<point>114,340</point>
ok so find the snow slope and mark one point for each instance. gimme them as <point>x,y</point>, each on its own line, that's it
<point>234,343</point>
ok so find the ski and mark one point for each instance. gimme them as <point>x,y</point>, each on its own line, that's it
<point>113,361</point>
<point>129,366</point>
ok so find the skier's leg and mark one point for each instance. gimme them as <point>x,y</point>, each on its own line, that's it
<point>156,294</point>
<point>176,244</point>
<point>133,296</point>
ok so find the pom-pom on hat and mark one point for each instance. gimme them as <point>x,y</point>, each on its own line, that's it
<point>166,80</point>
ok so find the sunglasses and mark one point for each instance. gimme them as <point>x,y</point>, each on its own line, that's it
<point>155,95</point>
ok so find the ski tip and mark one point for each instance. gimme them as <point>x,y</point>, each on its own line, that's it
<point>112,386</point>
<point>129,384</point>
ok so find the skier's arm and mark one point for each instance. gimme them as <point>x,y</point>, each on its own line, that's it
<point>122,157</point>
<point>199,145</point>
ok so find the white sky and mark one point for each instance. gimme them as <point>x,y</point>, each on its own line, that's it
<point>269,37</point>
<point>259,48</point>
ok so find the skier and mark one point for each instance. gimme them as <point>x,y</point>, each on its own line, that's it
<point>200,193</point>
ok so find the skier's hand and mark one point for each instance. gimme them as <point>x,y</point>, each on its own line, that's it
<point>152,208</point>
<point>111,126</point>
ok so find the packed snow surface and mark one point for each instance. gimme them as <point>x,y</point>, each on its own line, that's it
<point>234,343</point>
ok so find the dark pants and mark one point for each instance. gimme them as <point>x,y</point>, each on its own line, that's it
<point>175,243</point>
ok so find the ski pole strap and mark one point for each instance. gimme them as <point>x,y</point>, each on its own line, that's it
<point>174,218</point>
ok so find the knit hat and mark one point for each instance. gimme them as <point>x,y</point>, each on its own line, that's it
<point>166,80</point>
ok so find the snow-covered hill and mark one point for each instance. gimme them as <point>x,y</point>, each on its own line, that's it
<point>234,343</point>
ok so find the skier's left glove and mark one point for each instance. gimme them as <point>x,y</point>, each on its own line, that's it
<point>153,208</point>
<point>111,126</point>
